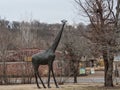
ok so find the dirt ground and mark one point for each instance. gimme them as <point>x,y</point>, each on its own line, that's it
<point>79,86</point>
<point>34,87</point>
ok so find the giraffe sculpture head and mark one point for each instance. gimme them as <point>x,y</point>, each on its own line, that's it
<point>63,21</point>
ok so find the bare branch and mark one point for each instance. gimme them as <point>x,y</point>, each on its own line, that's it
<point>86,11</point>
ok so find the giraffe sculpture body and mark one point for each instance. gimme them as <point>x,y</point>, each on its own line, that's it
<point>47,58</point>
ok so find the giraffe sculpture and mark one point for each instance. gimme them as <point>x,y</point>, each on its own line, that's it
<point>47,58</point>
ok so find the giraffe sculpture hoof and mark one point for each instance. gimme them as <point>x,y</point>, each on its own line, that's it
<point>44,87</point>
<point>38,86</point>
<point>57,86</point>
<point>49,86</point>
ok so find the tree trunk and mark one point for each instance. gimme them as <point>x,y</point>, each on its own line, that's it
<point>108,62</point>
<point>4,71</point>
<point>76,69</point>
<point>75,78</point>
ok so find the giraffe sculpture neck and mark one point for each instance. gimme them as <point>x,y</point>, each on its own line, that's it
<point>57,39</point>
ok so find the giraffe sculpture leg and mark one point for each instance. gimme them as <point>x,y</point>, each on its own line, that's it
<point>37,75</point>
<point>50,65</point>
<point>36,80</point>
<point>54,76</point>
<point>41,80</point>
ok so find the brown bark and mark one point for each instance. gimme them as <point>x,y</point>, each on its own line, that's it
<point>108,61</point>
<point>75,78</point>
<point>76,68</point>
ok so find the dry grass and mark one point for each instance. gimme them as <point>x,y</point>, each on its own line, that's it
<point>34,87</point>
<point>91,86</point>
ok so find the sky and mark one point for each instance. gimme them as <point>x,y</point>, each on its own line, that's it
<point>48,11</point>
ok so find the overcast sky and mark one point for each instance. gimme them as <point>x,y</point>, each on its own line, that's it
<point>49,11</point>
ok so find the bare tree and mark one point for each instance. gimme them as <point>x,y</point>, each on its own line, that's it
<point>102,30</point>
<point>75,46</point>
<point>6,39</point>
<point>27,41</point>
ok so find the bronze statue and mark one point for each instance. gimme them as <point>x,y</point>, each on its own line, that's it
<point>47,58</point>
